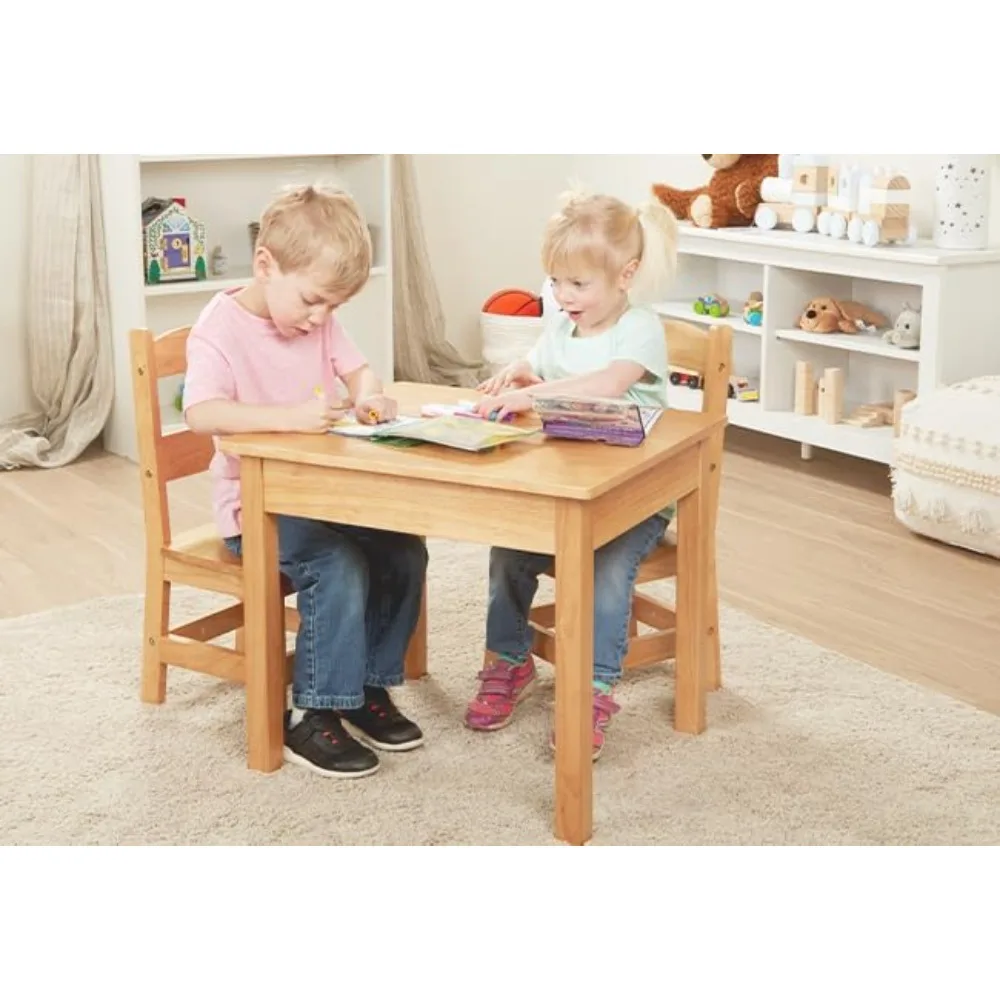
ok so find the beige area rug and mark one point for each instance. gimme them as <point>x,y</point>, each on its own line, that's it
<point>803,747</point>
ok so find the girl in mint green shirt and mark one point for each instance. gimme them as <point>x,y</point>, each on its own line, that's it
<point>602,255</point>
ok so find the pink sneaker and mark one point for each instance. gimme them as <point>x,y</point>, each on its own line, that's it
<point>503,684</point>
<point>604,708</point>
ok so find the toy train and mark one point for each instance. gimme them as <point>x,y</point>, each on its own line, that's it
<point>869,207</point>
<point>739,387</point>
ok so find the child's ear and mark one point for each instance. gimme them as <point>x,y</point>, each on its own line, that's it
<point>628,275</point>
<point>264,264</point>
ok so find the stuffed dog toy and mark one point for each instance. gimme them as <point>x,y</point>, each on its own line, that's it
<point>826,315</point>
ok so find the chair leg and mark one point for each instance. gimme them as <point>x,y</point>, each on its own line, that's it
<point>157,620</point>
<point>415,664</point>
<point>713,666</point>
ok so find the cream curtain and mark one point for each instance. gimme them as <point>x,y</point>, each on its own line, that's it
<point>68,320</point>
<point>422,352</point>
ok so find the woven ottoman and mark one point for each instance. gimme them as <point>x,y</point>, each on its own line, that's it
<point>946,465</point>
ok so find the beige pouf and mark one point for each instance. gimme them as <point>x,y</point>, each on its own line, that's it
<point>946,465</point>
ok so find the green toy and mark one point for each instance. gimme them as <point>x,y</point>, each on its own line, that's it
<point>711,305</point>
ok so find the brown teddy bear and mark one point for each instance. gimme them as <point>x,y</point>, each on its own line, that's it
<point>732,195</point>
<point>826,315</point>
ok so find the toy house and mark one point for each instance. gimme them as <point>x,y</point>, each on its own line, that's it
<point>173,242</point>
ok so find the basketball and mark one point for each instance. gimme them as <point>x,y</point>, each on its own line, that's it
<point>513,302</point>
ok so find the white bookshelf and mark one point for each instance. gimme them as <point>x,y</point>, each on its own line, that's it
<point>954,289</point>
<point>227,192</point>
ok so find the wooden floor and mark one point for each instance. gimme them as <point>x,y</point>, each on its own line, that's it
<point>811,547</point>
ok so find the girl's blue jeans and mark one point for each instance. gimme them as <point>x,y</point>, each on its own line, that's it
<point>359,592</point>
<point>514,583</point>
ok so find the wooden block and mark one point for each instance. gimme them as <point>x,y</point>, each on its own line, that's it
<point>805,389</point>
<point>902,397</point>
<point>863,420</point>
<point>831,395</point>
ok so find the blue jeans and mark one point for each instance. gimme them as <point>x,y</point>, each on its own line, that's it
<point>514,583</point>
<point>359,592</point>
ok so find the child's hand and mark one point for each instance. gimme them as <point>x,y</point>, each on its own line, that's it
<point>314,417</point>
<point>376,409</point>
<point>518,375</point>
<point>498,407</point>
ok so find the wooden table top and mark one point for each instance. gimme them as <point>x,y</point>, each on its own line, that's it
<point>578,470</point>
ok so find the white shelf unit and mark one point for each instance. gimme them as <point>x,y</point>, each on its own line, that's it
<point>227,192</point>
<point>954,290</point>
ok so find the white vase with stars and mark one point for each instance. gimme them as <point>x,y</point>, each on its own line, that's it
<point>962,201</point>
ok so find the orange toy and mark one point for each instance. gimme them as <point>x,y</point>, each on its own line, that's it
<point>732,195</point>
<point>513,302</point>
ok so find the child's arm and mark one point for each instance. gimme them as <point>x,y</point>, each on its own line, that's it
<point>211,407</point>
<point>226,416</point>
<point>613,381</point>
<point>371,405</point>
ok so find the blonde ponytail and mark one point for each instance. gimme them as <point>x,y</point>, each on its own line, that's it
<point>658,266</point>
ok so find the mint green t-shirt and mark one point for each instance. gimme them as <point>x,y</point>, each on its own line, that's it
<point>637,336</point>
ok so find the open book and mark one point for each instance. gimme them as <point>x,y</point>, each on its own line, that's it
<point>613,421</point>
<point>451,431</point>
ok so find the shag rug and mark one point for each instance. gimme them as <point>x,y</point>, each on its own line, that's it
<point>804,746</point>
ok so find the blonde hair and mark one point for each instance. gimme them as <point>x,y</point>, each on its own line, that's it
<point>319,225</point>
<point>602,233</point>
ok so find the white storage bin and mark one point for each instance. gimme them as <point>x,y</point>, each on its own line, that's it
<point>508,338</point>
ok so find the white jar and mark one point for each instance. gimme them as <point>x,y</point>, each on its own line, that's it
<point>962,201</point>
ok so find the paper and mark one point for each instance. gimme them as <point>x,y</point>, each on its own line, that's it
<point>350,427</point>
<point>461,433</point>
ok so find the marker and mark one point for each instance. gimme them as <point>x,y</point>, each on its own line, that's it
<point>319,393</point>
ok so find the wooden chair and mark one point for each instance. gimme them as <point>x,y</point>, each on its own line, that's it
<point>709,354</point>
<point>197,558</point>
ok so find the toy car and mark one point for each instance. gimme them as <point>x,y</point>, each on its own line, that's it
<point>711,305</point>
<point>681,376</point>
<point>742,389</point>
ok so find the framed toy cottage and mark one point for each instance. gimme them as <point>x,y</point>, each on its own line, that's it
<point>173,242</point>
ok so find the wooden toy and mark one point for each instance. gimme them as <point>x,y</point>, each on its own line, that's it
<point>868,207</point>
<point>795,198</point>
<point>173,242</point>
<point>901,398</point>
<point>831,395</point>
<point>805,389</point>
<point>871,415</point>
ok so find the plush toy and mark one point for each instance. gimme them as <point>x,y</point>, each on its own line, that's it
<point>826,315</point>
<point>906,330</point>
<point>732,195</point>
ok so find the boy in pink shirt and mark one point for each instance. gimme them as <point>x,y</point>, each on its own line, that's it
<point>255,359</point>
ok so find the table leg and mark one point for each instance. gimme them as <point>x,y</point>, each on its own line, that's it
<point>692,599</point>
<point>574,559</point>
<point>264,624</point>
<point>415,664</point>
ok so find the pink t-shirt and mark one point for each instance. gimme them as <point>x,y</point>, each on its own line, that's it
<point>232,354</point>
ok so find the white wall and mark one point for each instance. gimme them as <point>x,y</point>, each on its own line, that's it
<point>483,217</point>
<point>15,385</point>
<point>484,214</point>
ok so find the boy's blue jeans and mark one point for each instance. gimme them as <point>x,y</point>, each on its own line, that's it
<point>514,583</point>
<point>359,593</point>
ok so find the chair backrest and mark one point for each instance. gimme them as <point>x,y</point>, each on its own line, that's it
<point>706,353</point>
<point>162,457</point>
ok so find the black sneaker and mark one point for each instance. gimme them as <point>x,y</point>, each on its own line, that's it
<point>381,725</point>
<point>320,743</point>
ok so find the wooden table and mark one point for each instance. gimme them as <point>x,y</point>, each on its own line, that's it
<point>561,497</point>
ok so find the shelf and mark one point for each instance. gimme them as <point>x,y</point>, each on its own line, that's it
<point>213,285</point>
<point>680,309</point>
<point>858,343</point>
<point>203,157</point>
<point>694,239</point>
<point>872,443</point>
